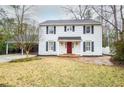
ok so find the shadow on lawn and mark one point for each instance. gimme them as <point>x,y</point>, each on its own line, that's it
<point>5,85</point>
<point>25,59</point>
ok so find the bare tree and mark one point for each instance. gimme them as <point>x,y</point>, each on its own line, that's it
<point>79,12</point>
<point>28,37</point>
<point>122,18</point>
<point>26,30</point>
<point>113,12</point>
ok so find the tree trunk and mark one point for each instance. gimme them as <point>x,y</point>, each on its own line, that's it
<point>115,19</point>
<point>122,33</point>
<point>7,48</point>
<point>22,51</point>
<point>27,54</point>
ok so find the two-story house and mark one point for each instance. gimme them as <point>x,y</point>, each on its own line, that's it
<point>81,37</point>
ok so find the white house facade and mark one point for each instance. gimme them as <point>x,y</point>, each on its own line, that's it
<point>80,37</point>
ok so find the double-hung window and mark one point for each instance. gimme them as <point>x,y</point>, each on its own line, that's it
<point>88,29</point>
<point>51,46</point>
<point>88,46</point>
<point>69,28</point>
<point>51,30</point>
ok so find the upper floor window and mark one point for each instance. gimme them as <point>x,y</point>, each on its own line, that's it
<point>88,29</point>
<point>69,28</point>
<point>50,29</point>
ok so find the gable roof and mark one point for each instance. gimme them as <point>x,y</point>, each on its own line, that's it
<point>70,22</point>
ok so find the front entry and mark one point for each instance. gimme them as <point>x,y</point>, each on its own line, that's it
<point>69,47</point>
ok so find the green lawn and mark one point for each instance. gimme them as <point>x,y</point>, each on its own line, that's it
<point>54,71</point>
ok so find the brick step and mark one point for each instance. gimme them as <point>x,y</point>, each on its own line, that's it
<point>70,55</point>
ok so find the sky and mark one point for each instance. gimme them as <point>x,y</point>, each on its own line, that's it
<point>42,13</point>
<point>49,12</point>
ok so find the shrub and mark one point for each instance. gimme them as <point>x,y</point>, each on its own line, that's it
<point>119,51</point>
<point>2,48</point>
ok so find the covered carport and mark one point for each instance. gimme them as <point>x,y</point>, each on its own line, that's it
<point>34,49</point>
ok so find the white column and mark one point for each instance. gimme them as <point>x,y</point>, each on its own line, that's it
<point>6,48</point>
<point>57,47</point>
<point>81,48</point>
<point>22,51</point>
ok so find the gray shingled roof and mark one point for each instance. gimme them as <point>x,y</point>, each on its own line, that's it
<point>69,38</point>
<point>70,22</point>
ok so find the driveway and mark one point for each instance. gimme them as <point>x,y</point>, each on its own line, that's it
<point>10,57</point>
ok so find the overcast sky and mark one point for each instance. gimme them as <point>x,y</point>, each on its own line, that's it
<point>41,13</point>
<point>44,12</point>
<point>51,12</point>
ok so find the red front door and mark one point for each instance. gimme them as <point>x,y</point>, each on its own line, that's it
<point>69,47</point>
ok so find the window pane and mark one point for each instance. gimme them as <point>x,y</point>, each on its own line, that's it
<point>51,29</point>
<point>51,46</point>
<point>69,28</point>
<point>88,29</point>
<point>88,45</point>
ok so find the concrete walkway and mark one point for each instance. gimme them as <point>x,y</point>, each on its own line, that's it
<point>10,57</point>
<point>103,60</point>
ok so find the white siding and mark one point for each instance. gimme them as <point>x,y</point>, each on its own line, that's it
<point>78,49</point>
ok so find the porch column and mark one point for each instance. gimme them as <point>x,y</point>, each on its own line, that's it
<point>57,46</point>
<point>6,48</point>
<point>22,51</point>
<point>81,48</point>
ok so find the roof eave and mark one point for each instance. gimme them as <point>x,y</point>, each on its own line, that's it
<point>71,24</point>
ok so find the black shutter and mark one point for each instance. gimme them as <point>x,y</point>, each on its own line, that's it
<point>54,46</point>
<point>54,29</point>
<point>92,46</point>
<point>65,28</point>
<point>84,46</point>
<point>46,46</point>
<point>73,28</point>
<point>84,29</point>
<point>46,29</point>
<point>92,29</point>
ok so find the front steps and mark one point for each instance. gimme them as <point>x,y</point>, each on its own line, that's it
<point>69,55</point>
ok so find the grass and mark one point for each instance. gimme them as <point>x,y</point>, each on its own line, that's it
<point>25,59</point>
<point>57,71</point>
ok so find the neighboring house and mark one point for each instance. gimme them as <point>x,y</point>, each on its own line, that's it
<point>81,37</point>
